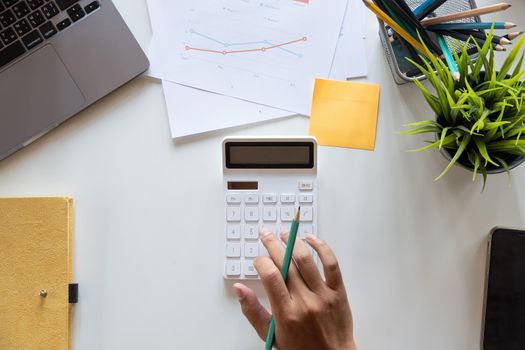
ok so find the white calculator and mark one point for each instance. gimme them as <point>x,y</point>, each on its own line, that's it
<point>265,181</point>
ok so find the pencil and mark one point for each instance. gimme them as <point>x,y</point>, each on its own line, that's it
<point>381,4</point>
<point>465,14</point>
<point>413,55</point>
<point>411,23</point>
<point>472,25</point>
<point>452,65</point>
<point>513,35</point>
<point>427,8</point>
<point>403,5</point>
<point>411,51</point>
<point>465,37</point>
<point>403,33</point>
<point>482,35</point>
<point>284,271</point>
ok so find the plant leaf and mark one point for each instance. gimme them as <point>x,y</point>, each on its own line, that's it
<point>477,163</point>
<point>507,64</point>
<point>485,175</point>
<point>442,138</point>
<point>421,130</point>
<point>506,167</point>
<point>463,144</point>
<point>423,123</point>
<point>505,145</point>
<point>448,140</point>
<point>482,147</point>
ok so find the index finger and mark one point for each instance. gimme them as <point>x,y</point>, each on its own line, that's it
<point>305,264</point>
<point>273,284</point>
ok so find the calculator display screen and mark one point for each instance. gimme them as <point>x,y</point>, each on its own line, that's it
<point>269,155</point>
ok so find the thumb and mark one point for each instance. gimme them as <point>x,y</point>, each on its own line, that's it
<point>252,309</point>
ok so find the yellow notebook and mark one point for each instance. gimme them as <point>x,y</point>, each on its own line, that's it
<point>36,236</point>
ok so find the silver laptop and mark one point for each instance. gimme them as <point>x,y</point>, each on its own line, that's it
<point>56,58</point>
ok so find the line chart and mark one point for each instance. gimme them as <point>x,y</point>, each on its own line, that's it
<point>264,46</point>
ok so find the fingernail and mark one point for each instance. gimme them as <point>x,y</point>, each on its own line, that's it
<point>311,237</point>
<point>283,234</point>
<point>238,290</point>
<point>264,232</point>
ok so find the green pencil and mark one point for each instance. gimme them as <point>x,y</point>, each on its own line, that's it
<point>284,271</point>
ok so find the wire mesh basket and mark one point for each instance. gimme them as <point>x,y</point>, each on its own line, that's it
<point>402,70</point>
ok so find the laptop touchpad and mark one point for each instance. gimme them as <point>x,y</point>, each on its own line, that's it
<point>35,94</point>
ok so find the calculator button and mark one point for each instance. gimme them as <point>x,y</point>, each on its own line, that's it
<point>305,198</point>
<point>248,268</point>
<point>269,198</point>
<point>251,214</point>
<point>251,250</point>
<point>251,199</point>
<point>233,198</point>
<point>233,214</point>
<point>251,232</point>
<point>287,198</point>
<point>307,214</point>
<point>233,250</point>
<point>287,213</point>
<point>233,268</point>
<point>233,231</point>
<point>304,230</point>
<point>262,250</point>
<point>269,214</point>
<point>306,185</point>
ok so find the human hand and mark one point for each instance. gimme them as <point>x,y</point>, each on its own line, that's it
<point>309,312</point>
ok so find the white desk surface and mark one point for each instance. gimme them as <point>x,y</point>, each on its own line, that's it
<point>149,222</point>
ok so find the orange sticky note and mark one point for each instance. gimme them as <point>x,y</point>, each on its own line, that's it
<point>344,114</point>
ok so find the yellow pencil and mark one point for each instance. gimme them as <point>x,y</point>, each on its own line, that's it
<point>403,33</point>
<point>465,14</point>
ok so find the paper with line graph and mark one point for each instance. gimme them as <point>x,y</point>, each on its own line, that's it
<point>264,51</point>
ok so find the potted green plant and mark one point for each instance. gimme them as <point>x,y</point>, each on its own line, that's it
<point>480,118</point>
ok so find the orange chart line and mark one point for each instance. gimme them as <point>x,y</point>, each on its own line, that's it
<point>261,49</point>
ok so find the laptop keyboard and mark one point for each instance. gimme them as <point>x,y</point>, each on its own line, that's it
<point>25,24</point>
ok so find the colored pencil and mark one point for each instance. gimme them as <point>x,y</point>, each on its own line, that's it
<point>427,7</point>
<point>411,51</point>
<point>465,37</point>
<point>403,33</point>
<point>414,55</point>
<point>513,35</point>
<point>403,5</point>
<point>410,23</point>
<point>451,62</point>
<point>465,14</point>
<point>284,271</point>
<point>384,7</point>
<point>482,35</point>
<point>472,25</point>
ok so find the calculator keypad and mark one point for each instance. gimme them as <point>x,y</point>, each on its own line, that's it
<point>247,212</point>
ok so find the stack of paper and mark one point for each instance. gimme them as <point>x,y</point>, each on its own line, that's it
<point>228,62</point>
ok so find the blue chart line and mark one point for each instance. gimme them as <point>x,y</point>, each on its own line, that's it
<point>269,45</point>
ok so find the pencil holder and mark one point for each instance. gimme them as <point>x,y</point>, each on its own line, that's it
<point>402,70</point>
